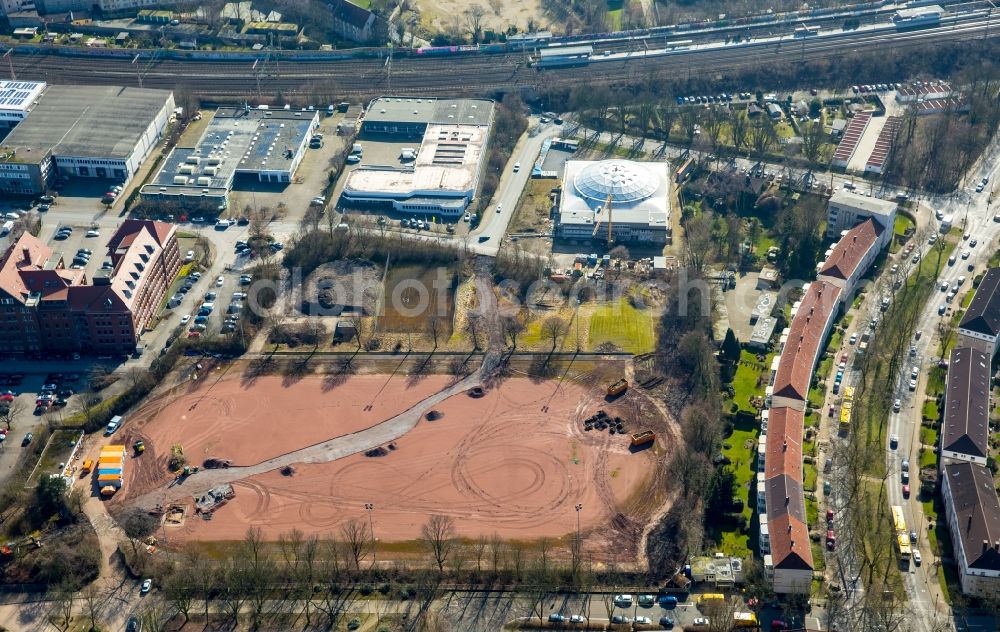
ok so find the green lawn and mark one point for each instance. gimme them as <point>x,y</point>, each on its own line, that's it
<point>742,445</point>
<point>624,326</point>
<point>928,436</point>
<point>928,458</point>
<point>812,511</point>
<point>735,544</point>
<point>935,381</point>
<point>809,475</point>
<point>745,387</point>
<point>930,410</point>
<point>819,556</point>
<point>615,19</point>
<point>967,299</point>
<point>902,224</point>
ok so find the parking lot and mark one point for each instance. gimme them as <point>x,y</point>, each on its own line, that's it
<point>26,398</point>
<point>310,179</point>
<point>77,241</point>
<point>195,291</point>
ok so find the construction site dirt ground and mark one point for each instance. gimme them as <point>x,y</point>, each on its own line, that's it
<point>514,462</point>
<point>250,423</point>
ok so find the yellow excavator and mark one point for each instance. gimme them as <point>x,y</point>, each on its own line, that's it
<point>597,217</point>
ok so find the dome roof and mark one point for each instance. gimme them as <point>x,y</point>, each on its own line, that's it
<point>623,180</point>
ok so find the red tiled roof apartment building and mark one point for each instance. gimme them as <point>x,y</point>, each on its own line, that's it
<point>47,308</point>
<point>784,530</point>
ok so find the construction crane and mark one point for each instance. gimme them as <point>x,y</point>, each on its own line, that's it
<point>597,216</point>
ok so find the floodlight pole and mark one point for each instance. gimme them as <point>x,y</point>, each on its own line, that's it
<point>369,507</point>
<point>138,71</point>
<point>10,60</point>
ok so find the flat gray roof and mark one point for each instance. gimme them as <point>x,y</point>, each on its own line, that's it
<point>235,141</point>
<point>86,121</point>
<point>430,110</point>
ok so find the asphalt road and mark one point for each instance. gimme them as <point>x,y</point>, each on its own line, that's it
<point>977,212</point>
<point>494,224</point>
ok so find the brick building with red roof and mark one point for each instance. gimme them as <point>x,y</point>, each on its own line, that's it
<point>46,307</point>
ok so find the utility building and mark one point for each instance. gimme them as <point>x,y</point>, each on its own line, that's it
<point>265,145</point>
<point>444,175</point>
<point>103,132</point>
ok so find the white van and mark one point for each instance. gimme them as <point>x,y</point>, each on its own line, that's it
<point>6,228</point>
<point>357,149</point>
<point>113,425</point>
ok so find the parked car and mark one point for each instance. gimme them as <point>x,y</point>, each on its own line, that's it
<point>623,601</point>
<point>146,585</point>
<point>27,439</point>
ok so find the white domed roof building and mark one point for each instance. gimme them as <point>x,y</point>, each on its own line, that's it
<point>638,194</point>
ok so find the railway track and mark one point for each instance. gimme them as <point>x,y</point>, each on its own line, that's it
<point>472,74</point>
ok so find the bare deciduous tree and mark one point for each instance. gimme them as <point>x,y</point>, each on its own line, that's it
<point>554,328</point>
<point>357,540</point>
<point>438,534</point>
<point>9,411</point>
<point>434,326</point>
<point>474,18</point>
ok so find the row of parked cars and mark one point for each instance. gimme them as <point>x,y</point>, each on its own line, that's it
<point>55,392</point>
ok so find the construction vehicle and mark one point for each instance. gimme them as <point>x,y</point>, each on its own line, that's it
<point>745,620</point>
<point>642,438</point>
<point>139,447</point>
<point>597,218</point>
<point>618,388</point>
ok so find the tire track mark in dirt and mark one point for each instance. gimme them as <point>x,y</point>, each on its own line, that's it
<point>333,449</point>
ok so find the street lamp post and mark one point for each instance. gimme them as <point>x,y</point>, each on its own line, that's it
<point>578,553</point>
<point>369,507</point>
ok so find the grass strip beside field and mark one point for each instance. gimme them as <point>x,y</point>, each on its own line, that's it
<point>624,326</point>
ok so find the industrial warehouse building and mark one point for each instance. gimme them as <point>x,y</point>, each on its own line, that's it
<point>16,100</point>
<point>83,131</point>
<point>266,145</point>
<point>630,197</point>
<point>444,175</point>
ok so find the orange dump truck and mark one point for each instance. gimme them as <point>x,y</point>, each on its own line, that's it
<point>644,437</point>
<point>618,388</point>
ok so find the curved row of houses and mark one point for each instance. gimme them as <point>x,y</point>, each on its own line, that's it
<point>784,530</point>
